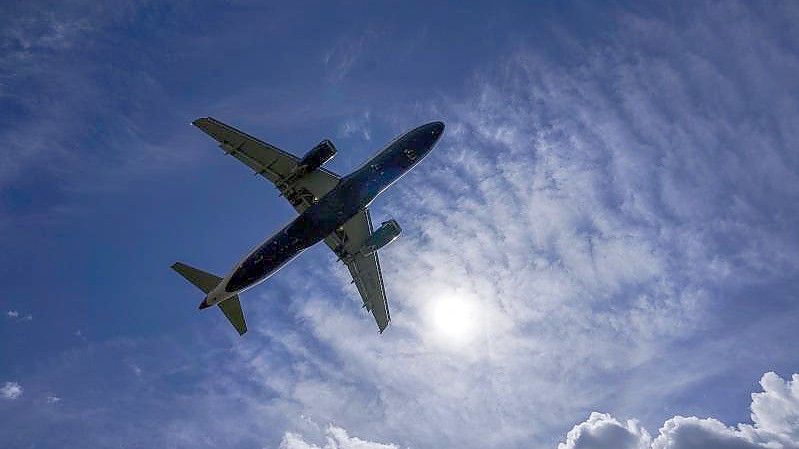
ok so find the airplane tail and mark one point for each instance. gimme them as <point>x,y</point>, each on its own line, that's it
<point>206,282</point>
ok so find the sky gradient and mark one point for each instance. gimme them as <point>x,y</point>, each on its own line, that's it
<point>601,252</point>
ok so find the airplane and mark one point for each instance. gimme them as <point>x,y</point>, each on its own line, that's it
<point>330,207</point>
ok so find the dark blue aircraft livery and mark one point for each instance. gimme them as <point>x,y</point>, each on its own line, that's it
<point>330,207</point>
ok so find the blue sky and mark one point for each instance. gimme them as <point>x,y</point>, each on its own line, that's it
<point>600,253</point>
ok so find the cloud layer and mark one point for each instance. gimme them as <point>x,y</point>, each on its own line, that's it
<point>775,414</point>
<point>608,228</point>
<point>591,218</point>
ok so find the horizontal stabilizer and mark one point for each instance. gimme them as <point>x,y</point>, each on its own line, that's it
<point>202,280</point>
<point>232,310</point>
<point>206,282</point>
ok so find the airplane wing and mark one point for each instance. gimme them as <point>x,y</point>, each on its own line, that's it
<point>365,270</point>
<point>272,163</point>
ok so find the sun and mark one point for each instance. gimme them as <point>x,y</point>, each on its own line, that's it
<point>453,318</point>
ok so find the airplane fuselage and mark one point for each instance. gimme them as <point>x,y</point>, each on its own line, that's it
<point>352,194</point>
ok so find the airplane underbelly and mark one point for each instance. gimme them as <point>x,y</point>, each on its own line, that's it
<point>265,261</point>
<point>312,226</point>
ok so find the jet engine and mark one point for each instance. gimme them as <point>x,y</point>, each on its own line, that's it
<point>314,159</point>
<point>385,234</point>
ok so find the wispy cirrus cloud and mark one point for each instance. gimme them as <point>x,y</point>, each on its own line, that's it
<point>358,125</point>
<point>590,219</point>
<point>73,107</point>
<point>15,315</point>
<point>593,218</point>
<point>343,55</point>
<point>336,438</point>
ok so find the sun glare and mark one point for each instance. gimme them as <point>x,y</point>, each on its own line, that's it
<point>454,318</point>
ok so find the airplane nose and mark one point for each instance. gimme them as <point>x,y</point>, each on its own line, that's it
<point>438,127</point>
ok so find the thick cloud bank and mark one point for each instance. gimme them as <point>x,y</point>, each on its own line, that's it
<point>775,414</point>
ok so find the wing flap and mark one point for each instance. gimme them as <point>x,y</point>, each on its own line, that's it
<point>266,159</point>
<point>365,269</point>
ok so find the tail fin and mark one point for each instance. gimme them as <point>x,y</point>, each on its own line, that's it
<point>206,282</point>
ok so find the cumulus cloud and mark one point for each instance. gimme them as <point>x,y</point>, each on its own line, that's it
<point>602,431</point>
<point>336,438</point>
<point>696,433</point>
<point>11,391</point>
<point>775,411</point>
<point>775,414</point>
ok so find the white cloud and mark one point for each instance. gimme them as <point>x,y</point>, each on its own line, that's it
<point>359,125</point>
<point>15,315</point>
<point>775,413</point>
<point>336,438</point>
<point>52,399</point>
<point>696,433</point>
<point>29,43</point>
<point>343,55</point>
<point>11,391</point>
<point>602,431</point>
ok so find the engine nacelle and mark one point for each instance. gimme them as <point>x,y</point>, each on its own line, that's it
<point>316,157</point>
<point>385,234</point>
